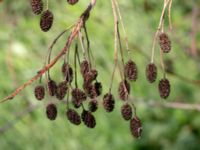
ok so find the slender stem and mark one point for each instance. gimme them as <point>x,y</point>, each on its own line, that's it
<point>158,29</point>
<point>75,54</point>
<point>47,4</point>
<point>169,15</point>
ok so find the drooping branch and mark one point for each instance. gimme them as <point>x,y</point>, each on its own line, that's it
<point>74,32</point>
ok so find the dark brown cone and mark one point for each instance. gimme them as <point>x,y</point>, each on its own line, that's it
<point>126,111</point>
<point>165,43</point>
<point>88,119</point>
<point>130,70</point>
<point>164,88</point>
<point>124,90</point>
<point>136,127</point>
<point>151,72</point>
<point>46,20</point>
<point>73,117</point>
<point>51,111</point>
<point>67,72</point>
<point>108,102</point>
<point>84,67</point>
<point>78,96</point>
<point>61,90</point>
<point>93,105</point>
<point>90,76</point>
<point>39,92</point>
<point>37,6</point>
<point>93,90</point>
<point>52,87</point>
<point>72,2</point>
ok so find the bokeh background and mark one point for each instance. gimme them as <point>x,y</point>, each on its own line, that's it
<point>166,124</point>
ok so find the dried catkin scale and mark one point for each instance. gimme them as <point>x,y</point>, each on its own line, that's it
<point>72,2</point>
<point>67,72</point>
<point>130,70</point>
<point>39,92</point>
<point>164,88</point>
<point>73,117</point>
<point>51,111</point>
<point>78,96</point>
<point>136,127</point>
<point>88,119</point>
<point>37,6</point>
<point>108,102</point>
<point>52,87</point>
<point>126,112</point>
<point>61,90</point>
<point>90,76</point>
<point>151,72</point>
<point>165,43</point>
<point>46,20</point>
<point>124,90</point>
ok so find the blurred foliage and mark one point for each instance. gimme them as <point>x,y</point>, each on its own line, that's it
<point>23,48</point>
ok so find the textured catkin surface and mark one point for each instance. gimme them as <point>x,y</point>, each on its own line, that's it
<point>24,45</point>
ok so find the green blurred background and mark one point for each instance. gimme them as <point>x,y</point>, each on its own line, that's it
<point>23,47</point>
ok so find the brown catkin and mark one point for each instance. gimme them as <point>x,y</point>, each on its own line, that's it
<point>108,102</point>
<point>73,117</point>
<point>124,90</point>
<point>164,88</point>
<point>37,6</point>
<point>51,111</point>
<point>52,87</point>
<point>46,20</point>
<point>90,76</point>
<point>93,90</point>
<point>165,43</point>
<point>93,105</point>
<point>84,67</point>
<point>67,72</point>
<point>72,2</point>
<point>61,90</point>
<point>88,119</point>
<point>78,96</point>
<point>151,72</point>
<point>126,111</point>
<point>136,127</point>
<point>130,70</point>
<point>39,92</point>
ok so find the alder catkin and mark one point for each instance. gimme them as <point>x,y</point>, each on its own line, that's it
<point>124,90</point>
<point>126,111</point>
<point>78,96</point>
<point>165,43</point>
<point>51,111</point>
<point>88,119</point>
<point>67,72</point>
<point>61,90</point>
<point>130,70</point>
<point>37,6</point>
<point>136,127</point>
<point>164,88</point>
<point>46,20</point>
<point>52,87</point>
<point>108,102</point>
<point>72,2</point>
<point>39,92</point>
<point>151,72</point>
<point>93,105</point>
<point>73,117</point>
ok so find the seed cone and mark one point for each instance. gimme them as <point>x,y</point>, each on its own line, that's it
<point>52,87</point>
<point>165,43</point>
<point>88,119</point>
<point>61,90</point>
<point>73,116</point>
<point>130,70</point>
<point>93,90</point>
<point>67,72</point>
<point>90,76</point>
<point>136,127</point>
<point>51,111</point>
<point>126,111</point>
<point>124,90</point>
<point>37,6</point>
<point>46,20</point>
<point>78,96</point>
<point>93,105</point>
<point>151,72</point>
<point>108,102</point>
<point>84,67</point>
<point>164,88</point>
<point>39,92</point>
<point>72,2</point>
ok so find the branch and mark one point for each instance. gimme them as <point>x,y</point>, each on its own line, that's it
<point>75,30</point>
